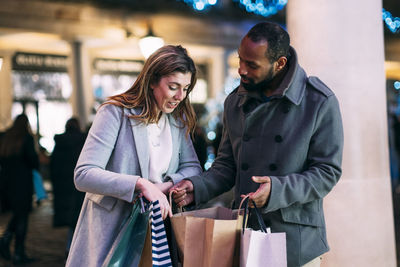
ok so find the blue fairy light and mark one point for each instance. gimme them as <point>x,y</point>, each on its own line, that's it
<point>393,23</point>
<point>211,135</point>
<point>200,5</point>
<point>396,85</point>
<point>264,8</point>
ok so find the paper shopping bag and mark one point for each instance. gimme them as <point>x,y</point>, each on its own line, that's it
<point>146,258</point>
<point>127,248</point>
<point>262,248</point>
<point>207,237</point>
<point>156,250</point>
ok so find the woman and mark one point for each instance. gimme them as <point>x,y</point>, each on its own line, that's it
<point>138,144</point>
<point>17,160</point>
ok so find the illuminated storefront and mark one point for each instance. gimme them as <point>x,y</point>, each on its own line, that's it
<point>41,89</point>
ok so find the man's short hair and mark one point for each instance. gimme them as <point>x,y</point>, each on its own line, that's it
<point>277,38</point>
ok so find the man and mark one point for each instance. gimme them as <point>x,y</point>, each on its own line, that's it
<point>282,145</point>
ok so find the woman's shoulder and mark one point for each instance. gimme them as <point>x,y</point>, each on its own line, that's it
<point>116,107</point>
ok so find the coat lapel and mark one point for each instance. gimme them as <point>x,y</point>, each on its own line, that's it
<point>139,131</point>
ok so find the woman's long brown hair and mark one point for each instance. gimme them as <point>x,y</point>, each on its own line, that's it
<point>165,61</point>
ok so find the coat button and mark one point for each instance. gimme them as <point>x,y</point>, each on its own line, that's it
<point>273,167</point>
<point>246,138</point>
<point>245,166</point>
<point>278,138</point>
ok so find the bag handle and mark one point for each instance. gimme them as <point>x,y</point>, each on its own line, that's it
<point>180,209</point>
<point>245,202</point>
<point>259,218</point>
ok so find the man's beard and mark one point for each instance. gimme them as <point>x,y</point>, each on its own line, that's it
<point>261,86</point>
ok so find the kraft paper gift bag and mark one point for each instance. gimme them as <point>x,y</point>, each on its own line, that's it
<point>207,237</point>
<point>262,248</point>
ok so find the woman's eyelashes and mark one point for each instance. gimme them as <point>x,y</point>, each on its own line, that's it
<point>173,88</point>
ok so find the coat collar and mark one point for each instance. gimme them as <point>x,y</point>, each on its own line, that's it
<point>140,136</point>
<point>292,87</point>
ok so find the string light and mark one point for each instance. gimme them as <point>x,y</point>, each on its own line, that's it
<point>264,8</point>
<point>396,85</point>
<point>393,23</point>
<point>260,7</point>
<point>200,5</point>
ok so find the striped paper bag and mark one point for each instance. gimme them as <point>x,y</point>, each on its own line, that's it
<point>156,251</point>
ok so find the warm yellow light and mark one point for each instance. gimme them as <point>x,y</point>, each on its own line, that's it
<point>1,62</point>
<point>150,43</point>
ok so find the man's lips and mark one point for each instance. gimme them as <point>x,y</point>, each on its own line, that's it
<point>244,79</point>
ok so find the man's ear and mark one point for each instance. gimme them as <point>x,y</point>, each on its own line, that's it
<point>280,63</point>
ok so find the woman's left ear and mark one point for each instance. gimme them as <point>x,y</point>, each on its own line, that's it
<point>281,63</point>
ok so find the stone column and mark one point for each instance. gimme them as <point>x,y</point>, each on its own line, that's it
<point>342,42</point>
<point>6,90</point>
<point>82,96</point>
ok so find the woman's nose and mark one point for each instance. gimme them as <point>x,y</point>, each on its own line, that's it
<point>180,95</point>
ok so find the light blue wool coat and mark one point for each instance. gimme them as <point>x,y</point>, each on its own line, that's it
<point>114,156</point>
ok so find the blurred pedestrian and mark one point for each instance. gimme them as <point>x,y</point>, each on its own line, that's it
<point>18,158</point>
<point>67,200</point>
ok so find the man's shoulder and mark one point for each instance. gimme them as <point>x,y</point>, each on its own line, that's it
<point>319,86</point>
<point>234,92</point>
<point>232,96</point>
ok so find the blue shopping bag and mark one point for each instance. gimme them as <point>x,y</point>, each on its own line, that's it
<point>38,185</point>
<point>143,235</point>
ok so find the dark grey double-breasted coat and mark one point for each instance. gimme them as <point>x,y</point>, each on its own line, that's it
<point>296,138</point>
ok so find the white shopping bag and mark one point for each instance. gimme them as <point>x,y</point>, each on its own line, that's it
<point>261,248</point>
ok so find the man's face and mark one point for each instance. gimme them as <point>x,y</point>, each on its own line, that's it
<point>255,69</point>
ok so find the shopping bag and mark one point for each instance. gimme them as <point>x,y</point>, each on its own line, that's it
<point>127,248</point>
<point>207,237</point>
<point>38,185</point>
<point>159,242</point>
<point>261,248</point>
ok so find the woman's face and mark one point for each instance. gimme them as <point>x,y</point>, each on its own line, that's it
<point>171,90</point>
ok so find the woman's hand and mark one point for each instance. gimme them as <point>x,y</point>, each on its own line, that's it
<point>164,187</point>
<point>152,193</point>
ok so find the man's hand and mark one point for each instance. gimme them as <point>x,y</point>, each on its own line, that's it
<point>183,193</point>
<point>263,192</point>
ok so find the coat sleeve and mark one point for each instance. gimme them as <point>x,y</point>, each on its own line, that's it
<point>188,162</point>
<point>323,167</point>
<point>220,177</point>
<point>90,172</point>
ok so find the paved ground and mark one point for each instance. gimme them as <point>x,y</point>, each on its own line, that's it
<point>44,242</point>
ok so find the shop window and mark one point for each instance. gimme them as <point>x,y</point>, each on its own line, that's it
<point>41,90</point>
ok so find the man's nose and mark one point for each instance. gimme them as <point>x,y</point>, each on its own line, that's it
<point>242,69</point>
